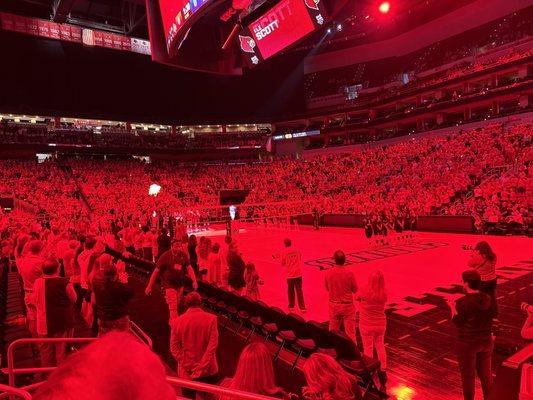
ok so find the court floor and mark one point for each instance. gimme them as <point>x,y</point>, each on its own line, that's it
<point>421,273</point>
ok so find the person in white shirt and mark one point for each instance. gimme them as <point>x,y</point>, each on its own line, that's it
<point>291,261</point>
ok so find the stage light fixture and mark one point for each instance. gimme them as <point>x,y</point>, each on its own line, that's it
<point>329,30</point>
<point>339,27</point>
<point>384,7</point>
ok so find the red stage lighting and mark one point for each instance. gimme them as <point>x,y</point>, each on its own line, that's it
<point>384,7</point>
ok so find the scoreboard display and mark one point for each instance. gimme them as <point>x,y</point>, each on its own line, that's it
<point>280,27</point>
<point>174,14</point>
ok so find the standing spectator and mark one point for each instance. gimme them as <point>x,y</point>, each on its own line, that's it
<point>31,268</point>
<point>291,260</point>
<point>204,248</point>
<point>147,243</point>
<point>86,261</point>
<point>173,265</point>
<point>163,242</point>
<point>61,248</point>
<point>224,251</point>
<point>214,266</point>
<point>527,328</point>
<point>54,297</point>
<point>373,322</point>
<point>236,268</point>
<point>252,282</point>
<point>71,271</point>
<point>111,298</point>
<point>483,260</point>
<point>128,236</point>
<point>193,256</point>
<point>254,373</point>
<point>341,286</point>
<point>326,379</point>
<point>472,314</point>
<point>194,342</point>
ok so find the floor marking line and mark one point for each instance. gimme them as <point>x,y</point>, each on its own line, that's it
<point>404,336</point>
<point>418,349</point>
<point>451,361</point>
<point>425,328</point>
<point>442,321</point>
<point>513,292</point>
<point>501,297</point>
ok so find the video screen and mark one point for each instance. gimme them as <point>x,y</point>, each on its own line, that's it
<point>281,26</point>
<point>175,13</point>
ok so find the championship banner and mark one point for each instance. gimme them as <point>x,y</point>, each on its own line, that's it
<point>72,33</point>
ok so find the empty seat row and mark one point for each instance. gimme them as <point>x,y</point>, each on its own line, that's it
<point>288,330</point>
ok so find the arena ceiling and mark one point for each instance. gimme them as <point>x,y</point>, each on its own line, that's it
<point>360,20</point>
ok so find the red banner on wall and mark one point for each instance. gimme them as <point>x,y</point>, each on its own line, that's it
<point>72,33</point>
<point>44,28</point>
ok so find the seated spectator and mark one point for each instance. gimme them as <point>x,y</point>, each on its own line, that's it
<point>327,380</point>
<point>254,373</point>
<point>116,366</point>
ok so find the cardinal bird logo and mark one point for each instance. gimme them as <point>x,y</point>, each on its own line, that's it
<point>247,44</point>
<point>312,4</point>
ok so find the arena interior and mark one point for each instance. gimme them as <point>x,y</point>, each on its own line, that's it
<point>266,199</point>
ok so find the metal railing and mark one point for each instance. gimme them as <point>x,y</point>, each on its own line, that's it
<point>24,392</point>
<point>12,393</point>
<point>12,371</point>
<point>141,335</point>
<point>217,390</point>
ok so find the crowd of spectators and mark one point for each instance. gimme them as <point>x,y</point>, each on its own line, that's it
<point>40,133</point>
<point>464,53</point>
<point>413,177</point>
<point>503,197</point>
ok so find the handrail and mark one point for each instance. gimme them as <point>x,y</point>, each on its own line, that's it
<point>9,391</point>
<point>218,390</point>
<point>12,371</point>
<point>173,381</point>
<point>141,335</point>
<point>177,382</point>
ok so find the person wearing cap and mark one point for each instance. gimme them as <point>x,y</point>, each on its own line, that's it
<point>111,298</point>
<point>472,314</point>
